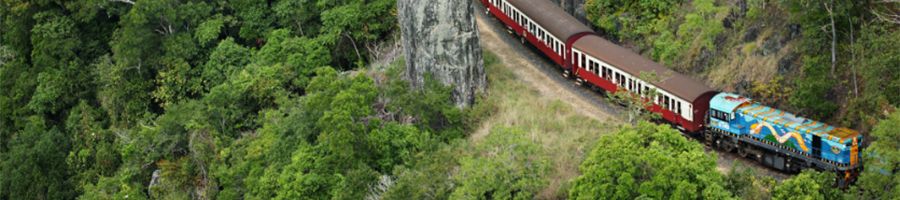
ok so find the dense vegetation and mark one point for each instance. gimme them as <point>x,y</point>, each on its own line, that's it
<point>198,99</point>
<point>250,99</point>
<point>830,60</point>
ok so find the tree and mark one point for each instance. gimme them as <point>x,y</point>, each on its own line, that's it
<point>648,161</point>
<point>802,186</point>
<point>122,92</point>
<point>877,47</point>
<point>506,165</point>
<point>428,176</point>
<point>814,87</point>
<point>745,183</point>
<point>880,179</point>
<point>637,104</point>
<point>629,19</point>
<point>61,80</point>
<point>350,26</point>
<point>301,16</point>
<point>35,167</point>
<point>93,154</point>
<point>808,185</point>
<point>254,18</point>
<point>226,59</point>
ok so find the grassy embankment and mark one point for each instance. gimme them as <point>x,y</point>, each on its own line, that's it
<point>565,136</point>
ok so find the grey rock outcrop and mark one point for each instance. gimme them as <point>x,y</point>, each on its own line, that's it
<point>574,8</point>
<point>440,39</point>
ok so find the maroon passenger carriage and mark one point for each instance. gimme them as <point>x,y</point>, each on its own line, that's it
<point>681,100</point>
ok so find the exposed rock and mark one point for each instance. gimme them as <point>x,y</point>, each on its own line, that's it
<point>574,8</point>
<point>154,180</point>
<point>440,38</point>
<point>786,64</point>
<point>751,34</point>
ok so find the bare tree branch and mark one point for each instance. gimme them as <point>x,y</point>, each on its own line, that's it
<point>887,11</point>
<point>833,37</point>
<point>123,1</point>
<point>890,18</point>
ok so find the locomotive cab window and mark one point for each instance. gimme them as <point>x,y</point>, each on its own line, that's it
<point>718,115</point>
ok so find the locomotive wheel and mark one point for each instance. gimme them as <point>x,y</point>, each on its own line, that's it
<point>742,151</point>
<point>708,138</point>
<point>566,74</point>
<point>579,82</point>
<point>726,146</point>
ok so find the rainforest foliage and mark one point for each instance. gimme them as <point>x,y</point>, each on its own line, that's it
<point>204,99</point>
<point>251,99</point>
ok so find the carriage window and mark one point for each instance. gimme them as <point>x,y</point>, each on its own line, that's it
<point>590,67</point>
<point>582,60</point>
<point>555,48</point>
<point>672,104</point>
<point>629,84</point>
<point>605,73</point>
<point>575,54</point>
<point>559,48</point>
<point>633,85</point>
<point>678,109</point>
<point>666,102</point>
<point>518,18</point>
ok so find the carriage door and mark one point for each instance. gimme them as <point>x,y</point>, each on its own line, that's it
<point>817,146</point>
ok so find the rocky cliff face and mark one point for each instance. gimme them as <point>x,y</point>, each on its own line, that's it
<point>440,38</point>
<point>574,8</point>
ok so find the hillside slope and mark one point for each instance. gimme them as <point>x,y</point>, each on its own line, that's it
<point>829,60</point>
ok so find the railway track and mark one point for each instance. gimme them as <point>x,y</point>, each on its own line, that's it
<point>543,66</point>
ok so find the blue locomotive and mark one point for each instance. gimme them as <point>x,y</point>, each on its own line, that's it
<point>780,139</point>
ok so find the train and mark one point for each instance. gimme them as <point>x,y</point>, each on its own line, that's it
<point>730,122</point>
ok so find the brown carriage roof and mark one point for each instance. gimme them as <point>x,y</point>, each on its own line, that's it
<point>673,82</point>
<point>551,17</point>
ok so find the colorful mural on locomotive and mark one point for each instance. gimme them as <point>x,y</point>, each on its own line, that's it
<point>743,117</point>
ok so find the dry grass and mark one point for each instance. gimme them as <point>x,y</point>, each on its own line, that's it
<point>565,134</point>
<point>747,62</point>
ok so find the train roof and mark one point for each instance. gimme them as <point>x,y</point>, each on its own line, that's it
<point>734,103</point>
<point>624,59</point>
<point>728,102</point>
<point>551,17</point>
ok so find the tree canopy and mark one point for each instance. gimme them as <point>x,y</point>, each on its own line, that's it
<point>648,161</point>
